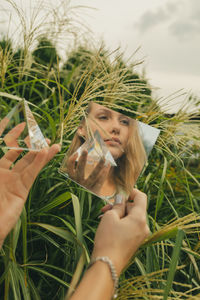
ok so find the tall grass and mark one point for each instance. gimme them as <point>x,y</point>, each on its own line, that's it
<point>47,252</point>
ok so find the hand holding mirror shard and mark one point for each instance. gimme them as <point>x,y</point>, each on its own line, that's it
<point>106,155</point>
<point>30,138</point>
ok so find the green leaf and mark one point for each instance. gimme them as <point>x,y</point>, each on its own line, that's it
<point>40,270</point>
<point>63,233</point>
<point>173,263</point>
<point>14,280</point>
<point>76,276</point>
<point>55,203</point>
<point>161,237</point>
<point>77,214</point>
<point>22,276</point>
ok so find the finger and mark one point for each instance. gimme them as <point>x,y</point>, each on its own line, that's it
<point>95,180</point>
<point>106,208</point>
<point>70,165</point>
<point>41,159</point>
<point>27,141</point>
<point>119,210</point>
<point>80,170</point>
<point>11,137</point>
<point>29,158</point>
<point>100,173</point>
<point>52,151</point>
<point>3,124</point>
<point>25,161</point>
<point>9,158</point>
<point>48,141</point>
<point>139,202</point>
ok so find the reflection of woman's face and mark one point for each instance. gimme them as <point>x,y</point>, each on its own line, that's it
<point>113,127</point>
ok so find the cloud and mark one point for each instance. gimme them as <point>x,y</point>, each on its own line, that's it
<point>160,15</point>
<point>187,24</point>
<point>172,7</point>
<point>181,19</point>
<point>151,19</point>
<point>185,29</point>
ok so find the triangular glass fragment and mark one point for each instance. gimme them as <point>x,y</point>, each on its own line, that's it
<point>97,150</point>
<point>20,131</point>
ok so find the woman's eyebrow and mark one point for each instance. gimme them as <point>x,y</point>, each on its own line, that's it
<point>124,117</point>
<point>110,112</point>
<point>104,110</point>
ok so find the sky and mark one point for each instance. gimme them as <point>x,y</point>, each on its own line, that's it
<point>167,32</point>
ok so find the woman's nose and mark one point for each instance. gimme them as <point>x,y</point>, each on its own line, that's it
<point>115,127</point>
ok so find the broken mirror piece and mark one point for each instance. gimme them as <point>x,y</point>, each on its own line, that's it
<point>97,150</point>
<point>21,120</point>
<point>108,153</point>
<point>148,135</point>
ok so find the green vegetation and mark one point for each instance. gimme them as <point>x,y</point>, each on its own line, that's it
<point>50,246</point>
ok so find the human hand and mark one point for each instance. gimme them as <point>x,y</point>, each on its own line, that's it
<point>16,181</point>
<point>122,230</point>
<point>77,172</point>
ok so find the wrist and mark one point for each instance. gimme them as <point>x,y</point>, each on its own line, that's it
<point>116,259</point>
<point>110,267</point>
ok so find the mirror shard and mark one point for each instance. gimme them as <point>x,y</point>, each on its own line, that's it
<point>116,147</point>
<point>97,150</point>
<point>20,131</point>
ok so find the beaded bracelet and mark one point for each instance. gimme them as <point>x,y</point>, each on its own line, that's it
<point>112,270</point>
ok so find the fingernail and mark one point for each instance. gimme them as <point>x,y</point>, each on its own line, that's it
<point>118,199</point>
<point>59,147</point>
<point>84,152</point>
<point>100,216</point>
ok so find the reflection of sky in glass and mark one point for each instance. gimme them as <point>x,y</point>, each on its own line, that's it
<point>149,136</point>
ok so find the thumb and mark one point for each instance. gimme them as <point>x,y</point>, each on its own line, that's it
<point>106,208</point>
<point>119,210</point>
<point>139,202</point>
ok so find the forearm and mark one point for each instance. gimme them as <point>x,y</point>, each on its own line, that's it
<point>97,283</point>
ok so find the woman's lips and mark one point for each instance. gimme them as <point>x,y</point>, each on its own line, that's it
<point>113,141</point>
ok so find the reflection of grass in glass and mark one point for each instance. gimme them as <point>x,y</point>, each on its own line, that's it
<point>53,239</point>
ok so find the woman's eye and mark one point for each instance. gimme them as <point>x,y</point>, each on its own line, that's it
<point>125,122</point>
<point>103,117</point>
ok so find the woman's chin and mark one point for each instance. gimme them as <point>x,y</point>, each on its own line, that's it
<point>114,149</point>
<point>115,154</point>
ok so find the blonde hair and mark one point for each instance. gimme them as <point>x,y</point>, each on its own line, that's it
<point>129,165</point>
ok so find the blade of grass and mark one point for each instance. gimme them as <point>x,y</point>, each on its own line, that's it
<point>77,215</point>
<point>56,202</point>
<point>76,276</point>
<point>173,263</point>
<point>63,233</point>
<point>40,270</point>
